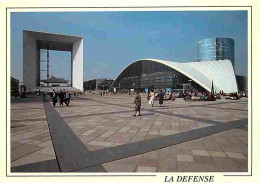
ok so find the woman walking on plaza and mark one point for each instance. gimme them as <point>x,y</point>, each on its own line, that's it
<point>151,101</point>
<point>161,95</point>
<point>137,103</point>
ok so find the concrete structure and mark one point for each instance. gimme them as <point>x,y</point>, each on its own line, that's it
<point>54,81</point>
<point>216,49</point>
<point>161,74</point>
<point>34,41</point>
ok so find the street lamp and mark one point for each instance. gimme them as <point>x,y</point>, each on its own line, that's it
<point>134,86</point>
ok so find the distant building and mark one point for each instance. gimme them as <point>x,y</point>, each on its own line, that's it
<point>153,74</point>
<point>98,84</point>
<point>216,49</point>
<point>14,85</point>
<point>242,83</point>
<point>54,81</point>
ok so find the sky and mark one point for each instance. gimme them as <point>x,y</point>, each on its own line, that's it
<point>113,40</point>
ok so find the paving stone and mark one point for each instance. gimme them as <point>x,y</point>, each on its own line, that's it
<point>185,158</point>
<point>107,134</point>
<point>23,150</point>
<point>24,141</point>
<point>31,158</point>
<point>225,165</point>
<point>86,139</point>
<point>89,132</point>
<point>23,136</point>
<point>235,155</point>
<point>167,132</point>
<point>124,129</point>
<point>45,144</point>
<point>200,153</point>
<point>100,143</point>
<point>217,154</point>
<point>15,144</point>
<point>154,133</point>
<point>146,169</point>
<point>47,151</point>
<point>119,167</point>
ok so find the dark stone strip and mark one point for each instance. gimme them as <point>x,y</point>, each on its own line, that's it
<point>43,166</point>
<point>70,152</point>
<point>96,168</point>
<point>131,149</point>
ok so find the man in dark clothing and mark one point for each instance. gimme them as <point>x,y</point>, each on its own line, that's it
<point>54,98</point>
<point>61,97</point>
<point>161,95</point>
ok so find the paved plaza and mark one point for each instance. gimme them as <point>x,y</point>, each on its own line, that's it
<point>100,134</point>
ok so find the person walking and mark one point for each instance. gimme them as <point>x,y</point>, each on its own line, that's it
<point>161,95</point>
<point>54,98</point>
<point>137,103</point>
<point>151,101</point>
<point>61,97</point>
<point>67,98</point>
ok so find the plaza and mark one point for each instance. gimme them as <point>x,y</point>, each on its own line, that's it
<point>100,134</point>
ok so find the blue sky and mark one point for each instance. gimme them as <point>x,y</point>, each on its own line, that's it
<point>112,40</point>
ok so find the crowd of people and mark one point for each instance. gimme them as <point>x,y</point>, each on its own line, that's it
<point>202,96</point>
<point>64,97</point>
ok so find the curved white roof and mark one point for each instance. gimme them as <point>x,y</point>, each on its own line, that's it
<point>221,72</point>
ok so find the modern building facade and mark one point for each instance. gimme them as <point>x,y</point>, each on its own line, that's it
<point>160,74</point>
<point>216,49</point>
<point>34,41</point>
<point>98,84</point>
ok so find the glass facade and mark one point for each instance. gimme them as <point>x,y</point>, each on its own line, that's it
<point>152,75</point>
<point>216,49</point>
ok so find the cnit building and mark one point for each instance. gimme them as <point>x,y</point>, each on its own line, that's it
<point>215,64</point>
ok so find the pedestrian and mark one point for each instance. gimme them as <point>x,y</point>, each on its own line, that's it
<point>137,103</point>
<point>161,95</point>
<point>67,98</point>
<point>54,98</point>
<point>151,101</point>
<point>61,97</point>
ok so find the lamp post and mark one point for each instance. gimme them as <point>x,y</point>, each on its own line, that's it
<point>134,86</point>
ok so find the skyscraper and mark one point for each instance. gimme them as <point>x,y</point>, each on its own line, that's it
<point>216,49</point>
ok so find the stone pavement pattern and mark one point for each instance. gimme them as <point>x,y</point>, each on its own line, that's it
<point>104,122</point>
<point>30,138</point>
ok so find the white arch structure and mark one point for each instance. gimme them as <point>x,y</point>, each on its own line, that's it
<point>221,72</point>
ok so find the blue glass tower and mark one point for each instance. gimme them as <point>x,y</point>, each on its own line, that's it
<point>216,49</point>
